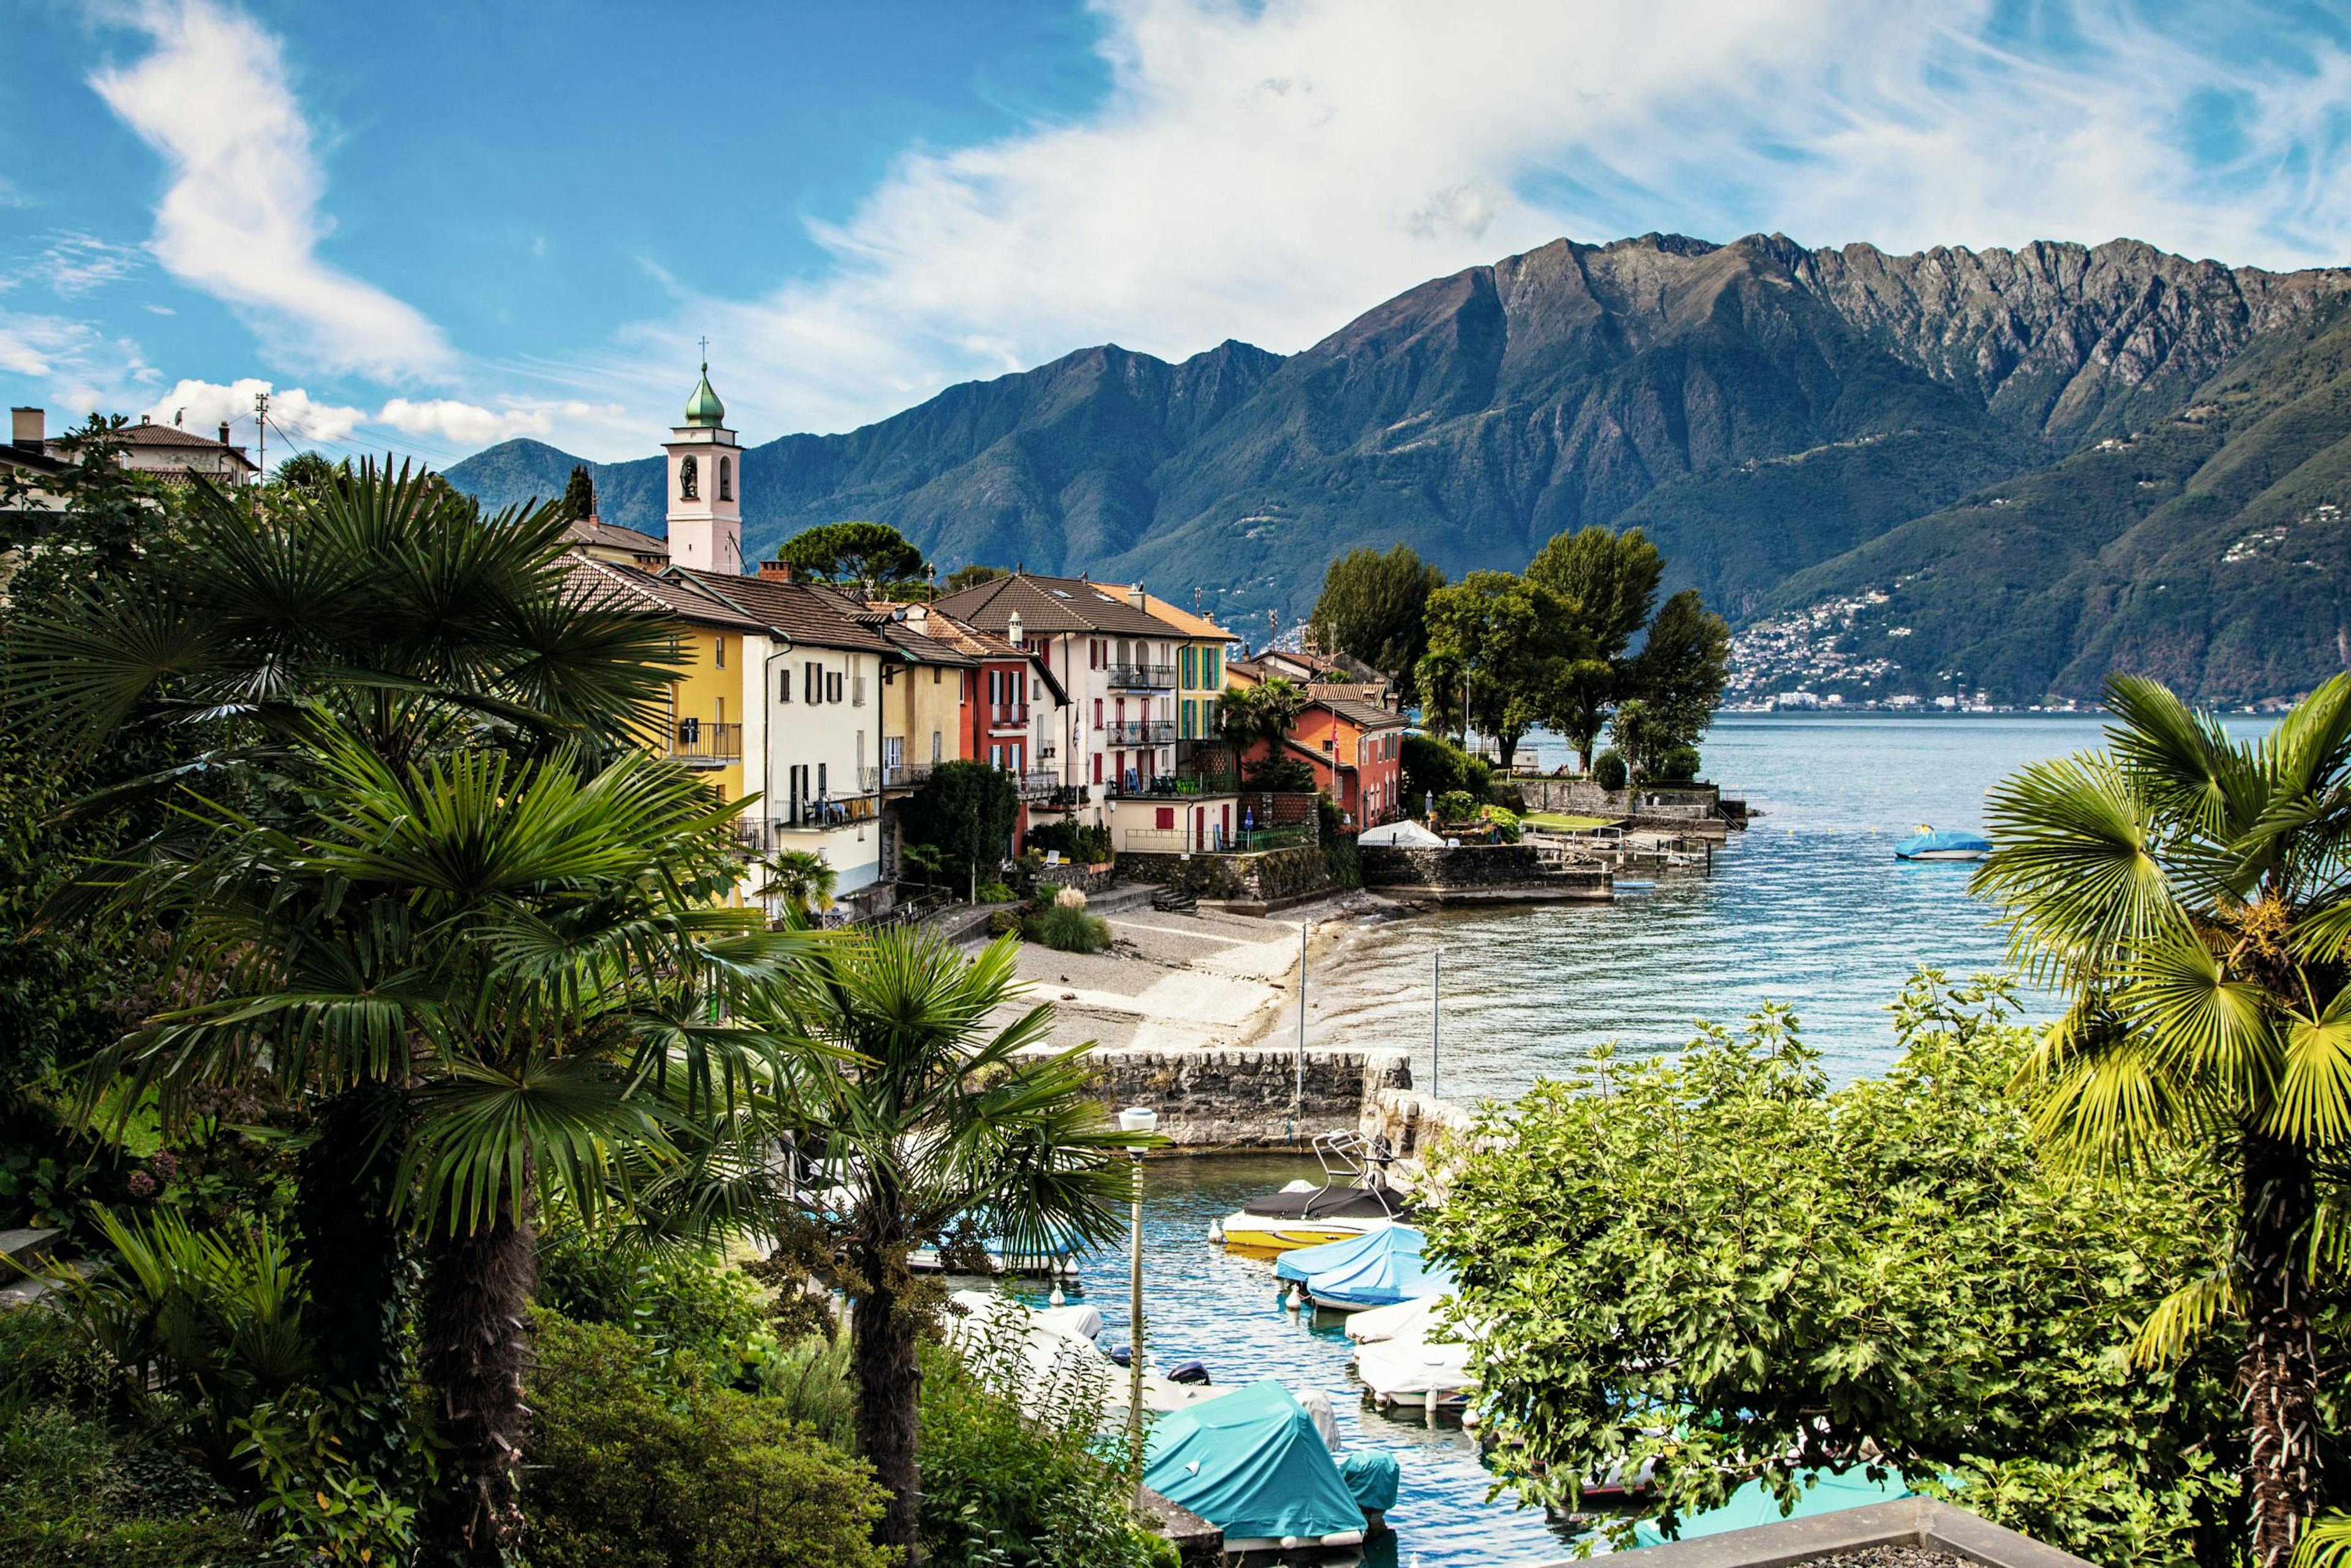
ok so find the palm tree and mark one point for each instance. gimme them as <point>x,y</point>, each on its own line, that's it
<point>2191,897</point>
<point>803,879</point>
<point>931,1116</point>
<point>533,951</point>
<point>387,601</point>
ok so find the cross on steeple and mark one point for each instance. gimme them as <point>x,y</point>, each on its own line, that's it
<point>705,342</point>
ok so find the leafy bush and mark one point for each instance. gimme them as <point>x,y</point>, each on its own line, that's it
<point>1896,1272</point>
<point>1435,766</point>
<point>810,1381</point>
<point>1281,775</point>
<point>1004,1492</point>
<point>1456,806</point>
<point>82,1496</point>
<point>1675,764</point>
<point>1069,928</point>
<point>684,1307</point>
<point>997,892</point>
<point>1085,843</point>
<point>626,1474</point>
<point>1506,823</point>
<point>1608,769</point>
<point>1003,922</point>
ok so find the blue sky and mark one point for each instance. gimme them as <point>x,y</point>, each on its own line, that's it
<point>431,227</point>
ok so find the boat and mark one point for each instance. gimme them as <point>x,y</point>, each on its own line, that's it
<point>1045,1354</point>
<point>1253,1463</point>
<point>1942,844</point>
<point>994,1254</point>
<point>1352,1198</point>
<point>1404,1320</point>
<point>1377,1269</point>
<point>1753,1504</point>
<point>1413,1373</point>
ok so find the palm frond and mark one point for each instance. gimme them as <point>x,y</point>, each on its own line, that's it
<point>2182,1318</point>
<point>2312,1101</point>
<point>2076,866</point>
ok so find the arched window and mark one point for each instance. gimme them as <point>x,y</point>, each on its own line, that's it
<point>689,476</point>
<point>726,478</point>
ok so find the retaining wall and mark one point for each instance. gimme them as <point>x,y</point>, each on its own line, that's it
<point>1495,872</point>
<point>1263,878</point>
<point>1583,798</point>
<point>1240,1099</point>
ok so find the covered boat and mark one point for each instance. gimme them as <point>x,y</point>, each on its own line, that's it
<point>1942,844</point>
<point>1403,834</point>
<point>1415,1372</point>
<point>1377,1269</point>
<point>1252,1464</point>
<point>1352,1198</point>
<point>1753,1504</point>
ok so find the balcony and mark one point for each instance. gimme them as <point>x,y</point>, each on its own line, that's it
<point>1035,787</point>
<point>905,775</point>
<point>700,744</point>
<point>1143,677</point>
<point>1171,787</point>
<point>1060,798</point>
<point>1007,717</point>
<point>1140,732</point>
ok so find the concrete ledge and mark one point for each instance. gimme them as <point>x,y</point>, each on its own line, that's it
<point>1907,1521</point>
<point>1198,1543</point>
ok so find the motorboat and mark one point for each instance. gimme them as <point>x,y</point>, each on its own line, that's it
<point>1045,1353</point>
<point>1415,1372</point>
<point>1930,843</point>
<point>977,1251</point>
<point>1352,1198</point>
<point>1377,1269</point>
<point>1753,1503</point>
<point>1404,1320</point>
<point>1253,1463</point>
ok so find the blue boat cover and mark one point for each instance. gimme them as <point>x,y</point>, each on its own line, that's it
<point>1753,1504</point>
<point>1251,1464</point>
<point>1944,841</point>
<point>1371,1474</point>
<point>1303,1263</point>
<point>1374,1271</point>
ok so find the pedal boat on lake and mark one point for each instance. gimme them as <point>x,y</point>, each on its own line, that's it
<point>1942,844</point>
<point>1353,1200</point>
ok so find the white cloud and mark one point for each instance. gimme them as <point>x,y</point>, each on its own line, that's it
<point>293,412</point>
<point>467,423</point>
<point>72,264</point>
<point>79,367</point>
<point>241,219</point>
<point>1270,171</point>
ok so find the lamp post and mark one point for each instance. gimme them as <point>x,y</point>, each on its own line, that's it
<point>1435,993</point>
<point>1135,1119</point>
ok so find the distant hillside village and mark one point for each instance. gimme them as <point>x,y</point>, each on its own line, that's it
<point>834,701</point>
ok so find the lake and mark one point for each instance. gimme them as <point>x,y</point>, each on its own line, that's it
<point>1808,907</point>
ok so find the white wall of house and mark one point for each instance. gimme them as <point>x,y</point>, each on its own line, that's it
<point>820,760</point>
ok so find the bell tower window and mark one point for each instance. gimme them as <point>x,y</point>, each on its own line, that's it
<point>726,478</point>
<point>689,479</point>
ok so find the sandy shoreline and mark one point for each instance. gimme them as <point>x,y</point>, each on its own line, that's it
<point>1201,981</point>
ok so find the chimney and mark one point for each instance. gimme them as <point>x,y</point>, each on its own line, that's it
<point>1134,596</point>
<point>1012,632</point>
<point>776,571</point>
<point>25,427</point>
<point>223,433</point>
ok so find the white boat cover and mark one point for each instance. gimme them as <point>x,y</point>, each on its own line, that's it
<point>1406,834</point>
<point>1413,1366</point>
<point>1404,1320</point>
<point>1040,1361</point>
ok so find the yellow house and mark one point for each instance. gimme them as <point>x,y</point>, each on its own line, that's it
<point>1199,667</point>
<point>709,727</point>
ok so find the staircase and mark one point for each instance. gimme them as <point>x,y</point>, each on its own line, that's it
<point>26,1253</point>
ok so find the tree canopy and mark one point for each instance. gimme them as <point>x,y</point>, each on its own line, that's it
<point>965,809</point>
<point>1718,1264</point>
<point>971,576</point>
<point>578,503</point>
<point>1500,642</point>
<point>874,555</point>
<point>1375,608</point>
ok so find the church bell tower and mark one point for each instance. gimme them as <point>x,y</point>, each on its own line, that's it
<point>706,487</point>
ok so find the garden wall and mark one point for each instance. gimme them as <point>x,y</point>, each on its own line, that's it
<point>1583,798</point>
<point>1240,1099</point>
<point>1266,877</point>
<point>1491,869</point>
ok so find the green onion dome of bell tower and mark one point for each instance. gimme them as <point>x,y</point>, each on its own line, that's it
<point>703,409</point>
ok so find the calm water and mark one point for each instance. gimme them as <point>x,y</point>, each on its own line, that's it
<point>1808,907</point>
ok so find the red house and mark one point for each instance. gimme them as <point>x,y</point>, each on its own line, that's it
<point>1355,750</point>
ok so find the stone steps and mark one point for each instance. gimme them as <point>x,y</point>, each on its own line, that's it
<point>26,1253</point>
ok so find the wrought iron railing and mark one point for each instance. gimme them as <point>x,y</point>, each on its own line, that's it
<point>1039,786</point>
<point>699,743</point>
<point>1141,731</point>
<point>1145,677</point>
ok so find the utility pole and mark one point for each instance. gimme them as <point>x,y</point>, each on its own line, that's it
<point>1298,1100</point>
<point>261,432</point>
<point>1435,990</point>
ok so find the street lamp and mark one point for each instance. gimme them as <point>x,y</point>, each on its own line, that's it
<point>1135,1119</point>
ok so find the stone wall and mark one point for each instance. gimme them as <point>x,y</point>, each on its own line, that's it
<point>1427,1134</point>
<point>1474,868</point>
<point>1263,878</point>
<point>1240,1099</point>
<point>1583,798</point>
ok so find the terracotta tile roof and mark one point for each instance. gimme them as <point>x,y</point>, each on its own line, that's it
<point>1183,620</point>
<point>810,615</point>
<point>1055,604</point>
<point>144,434</point>
<point>612,536</point>
<point>1362,714</point>
<point>606,585</point>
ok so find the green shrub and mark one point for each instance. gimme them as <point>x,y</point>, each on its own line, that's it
<point>1435,766</point>
<point>1068,927</point>
<point>1456,806</point>
<point>1506,823</point>
<point>1281,775</point>
<point>80,1496</point>
<point>997,892</point>
<point>684,1307</point>
<point>1003,922</point>
<point>1001,1489</point>
<point>624,1474</point>
<point>1082,842</point>
<point>810,1380</point>
<point>1675,764</point>
<point>1608,769</point>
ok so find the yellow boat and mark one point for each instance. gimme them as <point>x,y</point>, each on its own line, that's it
<point>1352,1198</point>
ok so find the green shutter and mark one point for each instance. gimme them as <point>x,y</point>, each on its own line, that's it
<point>1191,669</point>
<point>1212,678</point>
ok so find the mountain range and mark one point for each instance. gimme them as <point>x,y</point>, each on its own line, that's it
<point>2021,468</point>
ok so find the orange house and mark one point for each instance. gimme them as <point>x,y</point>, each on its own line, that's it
<point>1355,750</point>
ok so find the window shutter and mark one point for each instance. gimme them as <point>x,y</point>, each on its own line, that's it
<point>784,684</point>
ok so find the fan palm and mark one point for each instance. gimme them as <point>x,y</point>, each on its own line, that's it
<point>930,1113</point>
<point>2191,896</point>
<point>387,601</point>
<point>803,879</point>
<point>532,950</point>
